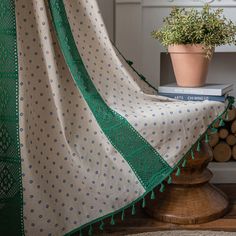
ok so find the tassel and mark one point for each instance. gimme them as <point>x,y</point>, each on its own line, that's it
<point>143,203</point>
<point>133,210</point>
<point>206,138</point>
<point>192,154</point>
<point>199,146</point>
<point>123,215</point>
<point>112,220</point>
<point>101,227</point>
<point>169,181</point>
<point>184,163</point>
<point>153,195</point>
<point>222,123</point>
<point>142,77</point>
<point>231,100</point>
<point>178,172</point>
<point>214,130</point>
<point>90,232</point>
<point>162,188</point>
<point>130,62</point>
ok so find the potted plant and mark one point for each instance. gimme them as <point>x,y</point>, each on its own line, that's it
<point>191,37</point>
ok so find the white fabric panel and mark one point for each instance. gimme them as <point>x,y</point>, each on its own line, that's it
<point>71,172</point>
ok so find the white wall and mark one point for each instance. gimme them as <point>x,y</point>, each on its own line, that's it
<point>107,10</point>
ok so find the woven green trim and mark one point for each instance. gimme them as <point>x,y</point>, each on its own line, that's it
<point>11,203</point>
<point>144,160</point>
<point>61,25</point>
<point>151,192</point>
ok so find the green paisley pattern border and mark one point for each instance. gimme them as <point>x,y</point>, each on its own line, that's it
<point>11,200</point>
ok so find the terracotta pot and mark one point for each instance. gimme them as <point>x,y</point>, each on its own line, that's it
<point>190,64</point>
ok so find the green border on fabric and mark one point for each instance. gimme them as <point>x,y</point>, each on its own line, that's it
<point>144,160</point>
<point>113,120</point>
<point>11,197</point>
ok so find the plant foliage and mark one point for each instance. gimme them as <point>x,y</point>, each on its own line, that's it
<point>207,27</point>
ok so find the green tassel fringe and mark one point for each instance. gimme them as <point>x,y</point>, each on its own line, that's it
<point>112,220</point>
<point>144,202</point>
<point>130,62</point>
<point>192,154</point>
<point>206,138</point>
<point>214,130</point>
<point>153,195</point>
<point>222,123</point>
<point>184,163</point>
<point>90,232</point>
<point>133,210</point>
<point>178,172</point>
<point>199,146</point>
<point>123,215</point>
<point>162,188</point>
<point>143,78</point>
<point>231,100</point>
<point>101,226</point>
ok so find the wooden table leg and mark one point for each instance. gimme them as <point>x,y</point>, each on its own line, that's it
<point>190,199</point>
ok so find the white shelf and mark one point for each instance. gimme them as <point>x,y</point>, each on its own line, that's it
<point>189,3</point>
<point>223,172</point>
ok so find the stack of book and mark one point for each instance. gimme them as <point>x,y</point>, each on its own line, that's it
<point>212,92</point>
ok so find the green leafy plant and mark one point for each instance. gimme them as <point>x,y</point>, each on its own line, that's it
<point>207,27</point>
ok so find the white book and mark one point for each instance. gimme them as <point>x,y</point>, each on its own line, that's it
<point>208,89</point>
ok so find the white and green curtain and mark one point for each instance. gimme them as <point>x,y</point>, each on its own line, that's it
<point>83,137</point>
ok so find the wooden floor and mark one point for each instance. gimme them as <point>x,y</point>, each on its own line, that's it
<point>141,222</point>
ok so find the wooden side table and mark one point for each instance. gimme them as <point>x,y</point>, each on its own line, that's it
<point>190,199</point>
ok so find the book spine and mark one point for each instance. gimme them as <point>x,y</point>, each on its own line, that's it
<point>196,92</point>
<point>189,97</point>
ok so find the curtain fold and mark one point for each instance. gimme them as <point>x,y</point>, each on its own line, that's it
<point>82,136</point>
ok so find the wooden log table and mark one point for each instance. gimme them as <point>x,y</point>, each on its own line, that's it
<point>190,199</point>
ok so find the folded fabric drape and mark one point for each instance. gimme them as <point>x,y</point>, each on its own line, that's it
<point>82,136</point>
